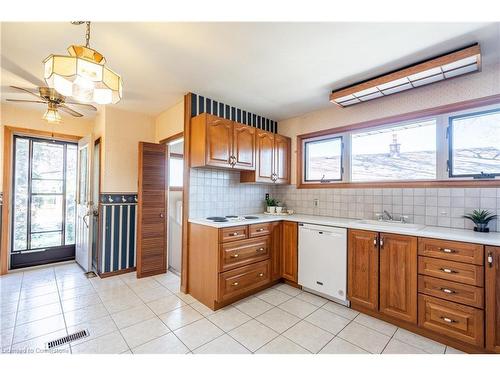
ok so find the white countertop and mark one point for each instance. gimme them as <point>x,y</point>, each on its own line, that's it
<point>464,235</point>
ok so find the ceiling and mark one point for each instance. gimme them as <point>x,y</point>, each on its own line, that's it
<point>278,70</point>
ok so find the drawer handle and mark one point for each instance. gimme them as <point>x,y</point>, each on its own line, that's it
<point>260,230</point>
<point>447,251</point>
<point>448,320</point>
<point>235,283</point>
<point>261,249</point>
<point>447,270</point>
<point>234,234</point>
<point>261,274</point>
<point>447,291</point>
<point>235,255</point>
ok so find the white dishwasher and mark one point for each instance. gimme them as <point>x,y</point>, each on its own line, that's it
<point>323,261</point>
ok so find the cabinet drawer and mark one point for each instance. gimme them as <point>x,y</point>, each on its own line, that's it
<point>241,253</point>
<point>233,233</point>
<point>256,230</point>
<point>460,322</point>
<point>453,271</point>
<point>243,279</point>
<point>451,291</point>
<point>451,250</point>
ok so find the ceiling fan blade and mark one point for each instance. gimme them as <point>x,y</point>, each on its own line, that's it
<point>66,109</point>
<point>87,106</point>
<point>26,101</point>
<point>28,91</point>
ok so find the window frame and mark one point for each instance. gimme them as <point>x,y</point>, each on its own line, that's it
<point>341,137</point>
<point>476,176</point>
<point>441,115</point>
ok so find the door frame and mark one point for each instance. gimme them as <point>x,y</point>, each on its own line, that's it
<point>9,132</point>
<point>166,141</point>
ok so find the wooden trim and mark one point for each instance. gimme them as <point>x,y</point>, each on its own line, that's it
<point>435,111</point>
<point>175,155</point>
<point>408,71</point>
<point>43,134</point>
<point>172,138</point>
<point>114,273</point>
<point>185,195</point>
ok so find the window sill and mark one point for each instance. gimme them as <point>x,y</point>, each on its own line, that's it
<point>401,184</point>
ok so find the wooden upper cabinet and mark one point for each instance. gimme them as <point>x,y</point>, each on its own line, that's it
<point>244,146</point>
<point>265,157</point>
<point>492,290</point>
<point>272,164</point>
<point>218,142</point>
<point>398,276</point>
<point>289,254</point>
<point>282,146</point>
<point>362,263</point>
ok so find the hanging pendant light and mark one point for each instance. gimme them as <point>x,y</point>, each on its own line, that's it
<point>83,75</point>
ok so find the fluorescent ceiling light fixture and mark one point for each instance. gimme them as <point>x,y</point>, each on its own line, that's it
<point>454,64</point>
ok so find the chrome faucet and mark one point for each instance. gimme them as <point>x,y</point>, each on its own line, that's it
<point>388,215</point>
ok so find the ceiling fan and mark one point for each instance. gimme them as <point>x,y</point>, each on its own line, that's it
<point>54,102</point>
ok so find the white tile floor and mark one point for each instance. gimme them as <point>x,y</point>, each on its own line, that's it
<point>124,314</point>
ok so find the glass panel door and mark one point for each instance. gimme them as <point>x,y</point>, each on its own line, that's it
<point>44,187</point>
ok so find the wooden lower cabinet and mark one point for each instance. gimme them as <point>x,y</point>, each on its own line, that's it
<point>289,252</point>
<point>362,265</point>
<point>398,276</point>
<point>492,290</point>
<point>276,237</point>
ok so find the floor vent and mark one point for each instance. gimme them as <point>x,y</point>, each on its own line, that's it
<point>67,339</point>
<point>90,275</point>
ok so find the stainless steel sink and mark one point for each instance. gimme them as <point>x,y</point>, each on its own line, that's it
<point>391,224</point>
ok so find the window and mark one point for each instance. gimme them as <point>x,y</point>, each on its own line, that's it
<point>442,146</point>
<point>404,152</point>
<point>323,159</point>
<point>175,171</point>
<point>475,145</point>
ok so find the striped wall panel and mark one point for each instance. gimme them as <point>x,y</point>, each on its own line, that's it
<point>118,222</point>
<point>201,104</point>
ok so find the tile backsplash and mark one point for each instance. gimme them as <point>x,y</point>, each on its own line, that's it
<point>219,192</point>
<point>215,192</point>
<point>442,207</point>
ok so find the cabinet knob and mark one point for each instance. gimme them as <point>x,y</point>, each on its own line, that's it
<point>447,291</point>
<point>447,270</point>
<point>234,234</point>
<point>260,249</point>
<point>260,229</point>
<point>235,255</point>
<point>235,283</point>
<point>447,251</point>
<point>261,274</point>
<point>448,320</point>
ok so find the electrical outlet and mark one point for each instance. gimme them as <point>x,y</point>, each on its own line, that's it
<point>267,196</point>
<point>316,202</point>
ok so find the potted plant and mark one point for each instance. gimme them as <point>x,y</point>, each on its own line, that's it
<point>271,205</point>
<point>481,219</point>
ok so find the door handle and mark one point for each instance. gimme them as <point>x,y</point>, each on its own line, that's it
<point>85,220</point>
<point>162,216</point>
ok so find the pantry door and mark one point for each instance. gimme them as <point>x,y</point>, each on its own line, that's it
<point>152,210</point>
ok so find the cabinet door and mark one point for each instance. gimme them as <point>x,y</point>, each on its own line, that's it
<point>362,263</point>
<point>398,276</point>
<point>265,156</point>
<point>282,146</point>
<point>492,270</point>
<point>289,251</point>
<point>276,241</point>
<point>244,146</point>
<point>219,141</point>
